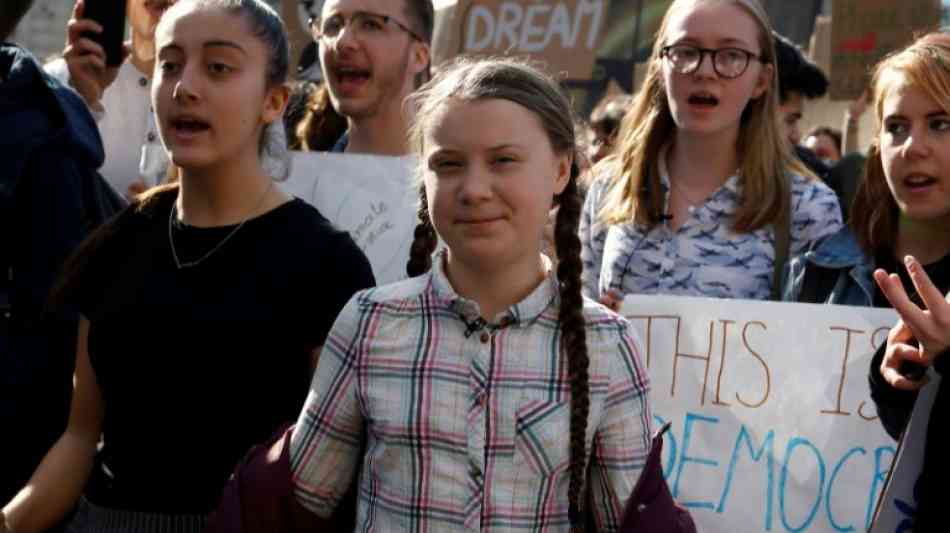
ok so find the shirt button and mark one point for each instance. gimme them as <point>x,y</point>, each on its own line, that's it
<point>475,472</point>
<point>666,265</point>
<point>481,400</point>
<point>143,82</point>
<point>150,137</point>
<point>485,338</point>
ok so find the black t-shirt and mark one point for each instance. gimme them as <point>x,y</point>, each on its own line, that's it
<point>894,406</point>
<point>939,273</point>
<point>198,364</point>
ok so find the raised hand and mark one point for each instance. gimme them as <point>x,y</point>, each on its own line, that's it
<point>929,327</point>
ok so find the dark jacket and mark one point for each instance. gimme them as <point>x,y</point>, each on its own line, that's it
<point>894,407</point>
<point>259,498</point>
<point>49,149</point>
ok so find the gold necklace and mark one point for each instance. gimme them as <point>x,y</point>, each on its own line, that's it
<point>188,264</point>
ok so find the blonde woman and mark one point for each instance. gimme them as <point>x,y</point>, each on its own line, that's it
<point>703,193</point>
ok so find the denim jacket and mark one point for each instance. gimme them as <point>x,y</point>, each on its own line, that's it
<point>840,254</point>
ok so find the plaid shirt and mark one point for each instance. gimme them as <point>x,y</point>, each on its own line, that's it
<point>467,431</point>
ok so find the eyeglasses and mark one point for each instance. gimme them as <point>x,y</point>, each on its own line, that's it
<point>361,23</point>
<point>728,63</point>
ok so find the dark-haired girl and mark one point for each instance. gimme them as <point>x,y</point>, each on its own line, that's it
<point>485,393</point>
<point>202,303</point>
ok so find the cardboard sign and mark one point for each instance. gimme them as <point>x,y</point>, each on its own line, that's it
<point>864,31</point>
<point>898,504</point>
<point>773,425</point>
<point>564,34</point>
<point>371,197</point>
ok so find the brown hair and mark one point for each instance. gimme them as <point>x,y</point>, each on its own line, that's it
<point>831,133</point>
<point>525,85</point>
<point>765,153</point>
<point>924,64</point>
<point>321,126</point>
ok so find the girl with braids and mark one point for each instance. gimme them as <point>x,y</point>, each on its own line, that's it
<point>202,303</point>
<point>484,393</point>
<point>702,196</point>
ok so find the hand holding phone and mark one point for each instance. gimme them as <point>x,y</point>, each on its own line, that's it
<point>110,16</point>
<point>91,70</point>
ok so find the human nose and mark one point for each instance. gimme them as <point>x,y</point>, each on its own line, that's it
<point>476,187</point>
<point>916,145</point>
<point>347,37</point>
<point>186,87</point>
<point>701,68</point>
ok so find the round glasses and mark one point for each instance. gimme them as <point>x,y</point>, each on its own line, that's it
<point>728,63</point>
<point>361,23</point>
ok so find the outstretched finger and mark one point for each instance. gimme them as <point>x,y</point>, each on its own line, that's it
<point>928,292</point>
<point>893,290</point>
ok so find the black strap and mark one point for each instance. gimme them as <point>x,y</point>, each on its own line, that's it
<point>783,233</point>
<point>817,284</point>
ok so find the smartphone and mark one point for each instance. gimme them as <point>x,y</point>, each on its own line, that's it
<point>110,14</point>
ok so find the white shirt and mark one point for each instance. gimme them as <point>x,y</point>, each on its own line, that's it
<point>133,148</point>
<point>374,198</point>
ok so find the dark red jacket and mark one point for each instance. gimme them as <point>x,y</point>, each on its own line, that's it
<point>259,498</point>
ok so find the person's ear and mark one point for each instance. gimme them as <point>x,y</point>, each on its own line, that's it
<point>764,82</point>
<point>421,56</point>
<point>275,102</point>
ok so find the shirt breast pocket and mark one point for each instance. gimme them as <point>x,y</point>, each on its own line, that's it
<point>542,439</point>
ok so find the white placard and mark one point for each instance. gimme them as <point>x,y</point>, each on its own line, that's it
<point>371,197</point>
<point>773,425</point>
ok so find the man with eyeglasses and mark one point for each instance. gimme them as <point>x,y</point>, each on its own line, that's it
<point>373,54</point>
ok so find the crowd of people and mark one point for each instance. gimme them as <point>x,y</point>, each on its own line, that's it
<point>167,306</point>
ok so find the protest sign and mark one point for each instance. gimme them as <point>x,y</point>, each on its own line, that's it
<point>563,34</point>
<point>773,426</point>
<point>898,504</point>
<point>371,197</point>
<point>864,31</point>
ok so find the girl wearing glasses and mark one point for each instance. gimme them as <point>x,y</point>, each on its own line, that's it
<point>702,196</point>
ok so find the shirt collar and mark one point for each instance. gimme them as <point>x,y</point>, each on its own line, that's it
<point>839,251</point>
<point>523,312</point>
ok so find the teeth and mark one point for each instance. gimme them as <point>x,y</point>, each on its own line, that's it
<point>919,180</point>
